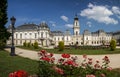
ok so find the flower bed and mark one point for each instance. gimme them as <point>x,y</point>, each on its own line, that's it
<point>67,66</point>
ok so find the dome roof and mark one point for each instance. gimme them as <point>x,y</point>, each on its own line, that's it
<point>27,27</point>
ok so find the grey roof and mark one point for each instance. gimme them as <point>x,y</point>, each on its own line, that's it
<point>57,33</point>
<point>43,25</point>
<point>67,32</point>
<point>87,32</point>
<point>116,33</point>
<point>98,32</point>
<point>27,27</point>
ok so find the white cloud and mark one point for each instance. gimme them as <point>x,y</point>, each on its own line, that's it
<point>69,25</point>
<point>25,19</point>
<point>89,24</point>
<point>65,18</point>
<point>90,5</point>
<point>52,23</point>
<point>116,10</point>
<point>99,13</point>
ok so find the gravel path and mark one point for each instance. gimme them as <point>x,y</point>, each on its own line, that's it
<point>114,58</point>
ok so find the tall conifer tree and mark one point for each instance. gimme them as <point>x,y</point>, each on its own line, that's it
<point>4,34</point>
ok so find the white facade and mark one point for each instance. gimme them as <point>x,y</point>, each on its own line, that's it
<point>42,34</point>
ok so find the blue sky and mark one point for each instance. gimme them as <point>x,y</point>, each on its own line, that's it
<point>59,14</point>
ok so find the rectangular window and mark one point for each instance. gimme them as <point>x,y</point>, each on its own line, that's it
<point>20,41</point>
<point>35,35</point>
<point>46,34</point>
<point>21,35</point>
<point>41,34</point>
<point>16,36</point>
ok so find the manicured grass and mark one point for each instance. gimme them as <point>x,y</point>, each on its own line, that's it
<point>10,64</point>
<point>77,51</point>
<point>88,52</point>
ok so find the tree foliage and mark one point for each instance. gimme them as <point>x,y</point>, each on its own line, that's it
<point>4,34</point>
<point>61,46</point>
<point>112,44</point>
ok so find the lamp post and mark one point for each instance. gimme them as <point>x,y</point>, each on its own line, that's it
<point>13,19</point>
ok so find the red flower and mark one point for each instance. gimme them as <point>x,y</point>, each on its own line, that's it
<point>43,51</point>
<point>19,73</point>
<point>51,54</point>
<point>70,62</point>
<point>45,59</point>
<point>66,55</point>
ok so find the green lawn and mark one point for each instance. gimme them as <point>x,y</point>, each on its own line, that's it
<point>12,63</point>
<point>77,51</point>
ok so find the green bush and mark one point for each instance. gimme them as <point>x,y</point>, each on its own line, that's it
<point>61,46</point>
<point>29,44</point>
<point>35,45</point>
<point>25,44</point>
<point>112,44</point>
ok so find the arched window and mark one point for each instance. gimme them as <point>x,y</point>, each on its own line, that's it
<point>76,23</point>
<point>76,32</point>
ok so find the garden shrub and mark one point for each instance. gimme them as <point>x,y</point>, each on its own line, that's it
<point>35,45</point>
<point>29,44</point>
<point>112,44</point>
<point>25,44</point>
<point>61,46</point>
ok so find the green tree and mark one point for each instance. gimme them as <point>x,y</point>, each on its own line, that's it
<point>4,34</point>
<point>35,45</point>
<point>112,44</point>
<point>61,46</point>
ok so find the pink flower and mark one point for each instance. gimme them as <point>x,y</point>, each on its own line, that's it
<point>109,68</point>
<point>106,59</point>
<point>58,70</point>
<point>90,62</point>
<point>97,66</point>
<point>85,56</point>
<point>90,59</point>
<point>97,61</point>
<point>90,75</point>
<point>65,55</point>
<point>102,75</point>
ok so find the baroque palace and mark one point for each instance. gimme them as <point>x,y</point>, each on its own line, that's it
<point>42,34</point>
